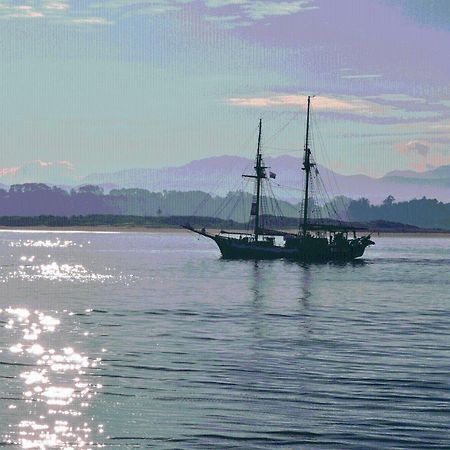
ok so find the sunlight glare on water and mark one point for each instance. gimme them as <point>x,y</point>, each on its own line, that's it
<point>150,340</point>
<point>55,390</point>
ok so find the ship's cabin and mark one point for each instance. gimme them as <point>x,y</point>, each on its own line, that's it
<point>263,240</point>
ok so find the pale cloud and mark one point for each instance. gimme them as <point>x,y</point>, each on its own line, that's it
<point>351,105</point>
<point>13,11</point>
<point>245,12</point>
<point>441,126</point>
<point>347,73</point>
<point>222,3</point>
<point>33,9</point>
<point>8,171</point>
<point>26,14</point>
<point>67,164</point>
<point>435,128</point>
<point>58,11</point>
<point>92,21</point>
<point>140,6</point>
<point>58,6</point>
<point>401,98</point>
<point>222,18</point>
<point>228,22</point>
<point>420,148</point>
<point>369,108</point>
<point>421,156</point>
<point>437,160</point>
<point>362,76</point>
<point>258,10</point>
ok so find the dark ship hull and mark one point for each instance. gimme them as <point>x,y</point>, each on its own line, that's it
<point>308,248</point>
<point>232,248</point>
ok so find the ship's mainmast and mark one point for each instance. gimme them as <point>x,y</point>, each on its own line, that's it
<point>260,173</point>
<point>307,164</point>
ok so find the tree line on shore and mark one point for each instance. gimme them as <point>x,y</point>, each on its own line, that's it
<point>37,199</point>
<point>423,212</point>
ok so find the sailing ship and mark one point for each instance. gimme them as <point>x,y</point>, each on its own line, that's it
<point>314,241</point>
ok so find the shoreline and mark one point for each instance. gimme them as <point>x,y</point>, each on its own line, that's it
<point>137,229</point>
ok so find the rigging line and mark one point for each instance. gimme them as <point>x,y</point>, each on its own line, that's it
<point>285,203</point>
<point>246,143</point>
<point>227,200</point>
<point>273,207</point>
<point>329,203</point>
<point>242,204</point>
<point>272,199</point>
<point>332,180</point>
<point>270,138</point>
<point>233,208</point>
<point>320,181</point>
<point>243,215</point>
<point>254,199</point>
<point>234,187</point>
<point>274,152</point>
<point>269,116</point>
<point>210,193</point>
<point>202,203</point>
<point>320,186</point>
<point>220,180</point>
<point>288,187</point>
<point>277,204</point>
<point>232,199</point>
<point>270,210</point>
<point>333,176</point>
<point>263,206</point>
<point>238,197</point>
<point>268,201</point>
<point>328,198</point>
<point>285,149</point>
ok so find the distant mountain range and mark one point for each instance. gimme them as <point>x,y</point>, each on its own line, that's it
<point>218,175</point>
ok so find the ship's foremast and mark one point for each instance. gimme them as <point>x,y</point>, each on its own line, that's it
<point>260,173</point>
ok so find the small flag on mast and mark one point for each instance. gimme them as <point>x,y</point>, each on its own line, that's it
<point>253,210</point>
<point>272,175</point>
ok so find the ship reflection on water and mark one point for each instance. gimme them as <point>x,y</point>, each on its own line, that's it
<point>52,410</point>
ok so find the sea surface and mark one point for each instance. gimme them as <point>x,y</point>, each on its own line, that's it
<point>150,340</point>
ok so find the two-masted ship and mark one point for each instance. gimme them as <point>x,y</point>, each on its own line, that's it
<point>314,241</point>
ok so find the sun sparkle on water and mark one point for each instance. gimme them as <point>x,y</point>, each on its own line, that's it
<point>56,390</point>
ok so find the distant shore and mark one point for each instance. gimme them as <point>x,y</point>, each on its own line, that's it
<point>97,229</point>
<point>140,229</point>
<point>164,224</point>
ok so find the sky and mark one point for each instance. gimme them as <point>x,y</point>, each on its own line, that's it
<point>113,84</point>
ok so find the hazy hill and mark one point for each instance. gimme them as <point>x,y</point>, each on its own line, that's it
<point>219,175</point>
<point>439,173</point>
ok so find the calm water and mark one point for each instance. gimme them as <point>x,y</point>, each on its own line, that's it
<point>137,340</point>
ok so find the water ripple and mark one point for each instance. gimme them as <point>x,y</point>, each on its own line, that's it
<point>55,385</point>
